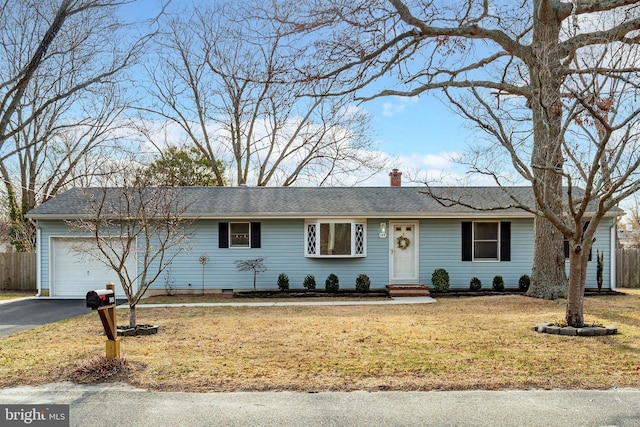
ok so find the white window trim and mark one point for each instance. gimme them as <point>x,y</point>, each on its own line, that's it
<point>473,242</point>
<point>353,223</point>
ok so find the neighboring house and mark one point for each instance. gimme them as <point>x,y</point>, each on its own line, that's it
<point>395,235</point>
<point>628,237</point>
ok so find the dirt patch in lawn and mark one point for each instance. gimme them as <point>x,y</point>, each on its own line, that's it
<point>461,343</point>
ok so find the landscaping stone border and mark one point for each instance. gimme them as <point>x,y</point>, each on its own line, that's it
<point>587,331</point>
<point>128,331</point>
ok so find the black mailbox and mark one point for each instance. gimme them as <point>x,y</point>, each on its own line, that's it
<point>100,298</point>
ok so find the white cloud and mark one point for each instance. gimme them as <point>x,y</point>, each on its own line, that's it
<point>389,109</point>
<point>440,161</point>
<point>397,105</point>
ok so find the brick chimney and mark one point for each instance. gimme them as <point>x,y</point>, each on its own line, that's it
<point>396,178</point>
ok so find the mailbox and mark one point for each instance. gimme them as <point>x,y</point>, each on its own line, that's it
<point>100,298</point>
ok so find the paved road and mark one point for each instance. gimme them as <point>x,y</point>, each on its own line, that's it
<point>119,405</point>
<point>16,316</point>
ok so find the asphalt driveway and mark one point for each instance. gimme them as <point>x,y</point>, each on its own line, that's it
<point>29,313</point>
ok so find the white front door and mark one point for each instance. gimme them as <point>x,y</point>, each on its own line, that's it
<point>403,249</point>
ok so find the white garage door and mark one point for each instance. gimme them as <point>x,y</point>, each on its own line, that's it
<point>73,274</point>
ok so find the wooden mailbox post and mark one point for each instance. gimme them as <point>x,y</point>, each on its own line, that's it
<point>104,300</point>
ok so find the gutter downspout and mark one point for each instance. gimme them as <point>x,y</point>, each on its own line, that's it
<point>613,244</point>
<point>38,259</point>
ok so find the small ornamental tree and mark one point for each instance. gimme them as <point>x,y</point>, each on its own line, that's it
<point>524,282</point>
<point>600,269</point>
<point>475,284</point>
<point>498,283</point>
<point>146,224</point>
<point>255,265</point>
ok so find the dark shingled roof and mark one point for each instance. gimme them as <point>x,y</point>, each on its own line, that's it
<point>307,202</point>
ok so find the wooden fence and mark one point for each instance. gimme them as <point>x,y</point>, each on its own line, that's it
<point>18,271</point>
<point>628,268</point>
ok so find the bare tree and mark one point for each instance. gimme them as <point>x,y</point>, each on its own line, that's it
<point>231,82</point>
<point>632,222</point>
<point>63,63</point>
<point>146,224</point>
<point>255,265</point>
<point>521,71</point>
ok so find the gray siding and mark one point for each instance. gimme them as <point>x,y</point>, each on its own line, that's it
<point>282,246</point>
<point>441,247</point>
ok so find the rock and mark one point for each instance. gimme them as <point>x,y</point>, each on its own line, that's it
<point>128,331</point>
<point>586,332</point>
<point>540,327</point>
<point>553,330</point>
<point>611,330</point>
<point>569,330</point>
<point>599,332</point>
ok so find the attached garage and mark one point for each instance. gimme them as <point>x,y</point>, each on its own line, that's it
<point>74,273</point>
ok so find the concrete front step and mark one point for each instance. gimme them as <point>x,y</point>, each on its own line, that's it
<point>408,291</point>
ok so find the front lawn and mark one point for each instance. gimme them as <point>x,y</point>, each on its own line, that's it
<point>7,295</point>
<point>456,343</point>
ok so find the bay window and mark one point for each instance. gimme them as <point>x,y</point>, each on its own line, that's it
<point>335,238</point>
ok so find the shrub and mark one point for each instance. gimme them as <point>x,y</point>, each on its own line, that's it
<point>498,284</point>
<point>599,269</point>
<point>524,282</point>
<point>362,283</point>
<point>475,284</point>
<point>440,280</point>
<point>283,281</point>
<point>309,282</point>
<point>99,369</point>
<point>332,283</point>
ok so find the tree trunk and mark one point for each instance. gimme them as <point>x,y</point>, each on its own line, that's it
<point>132,316</point>
<point>548,277</point>
<point>578,257</point>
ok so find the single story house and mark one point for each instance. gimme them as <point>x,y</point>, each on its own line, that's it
<point>395,235</point>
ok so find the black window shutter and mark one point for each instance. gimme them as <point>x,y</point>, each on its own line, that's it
<point>255,234</point>
<point>505,241</point>
<point>466,241</point>
<point>223,235</point>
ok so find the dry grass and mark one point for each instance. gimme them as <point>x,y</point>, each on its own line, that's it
<point>188,299</point>
<point>457,343</point>
<point>6,295</point>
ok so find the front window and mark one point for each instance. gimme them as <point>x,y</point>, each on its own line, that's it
<point>335,239</point>
<point>239,235</point>
<point>486,241</point>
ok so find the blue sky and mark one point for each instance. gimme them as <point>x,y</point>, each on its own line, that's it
<point>421,133</point>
